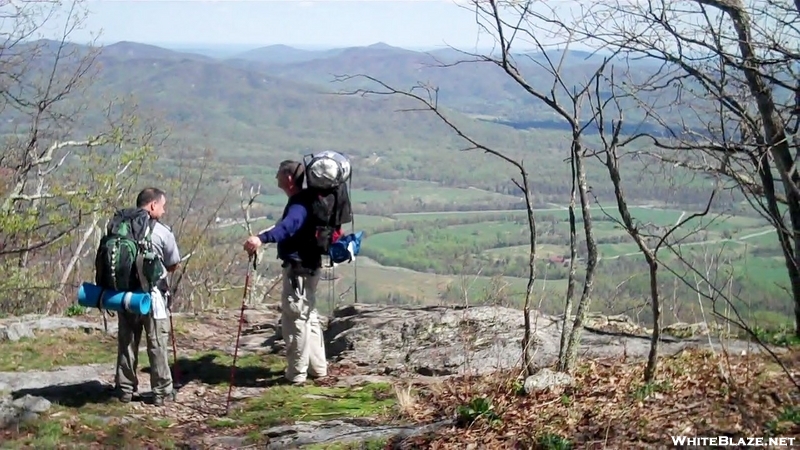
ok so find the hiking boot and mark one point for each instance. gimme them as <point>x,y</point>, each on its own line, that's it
<point>160,400</point>
<point>289,382</point>
<point>122,394</point>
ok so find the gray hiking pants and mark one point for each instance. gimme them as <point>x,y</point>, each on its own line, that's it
<point>305,345</point>
<point>128,338</point>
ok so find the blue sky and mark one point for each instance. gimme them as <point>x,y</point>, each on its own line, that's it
<point>254,23</point>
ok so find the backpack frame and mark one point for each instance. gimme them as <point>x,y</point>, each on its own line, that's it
<point>328,200</point>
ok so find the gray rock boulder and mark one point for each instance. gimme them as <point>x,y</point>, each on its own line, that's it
<point>24,327</point>
<point>546,379</point>
<point>24,408</point>
<point>681,329</point>
<point>430,340</point>
<point>15,331</point>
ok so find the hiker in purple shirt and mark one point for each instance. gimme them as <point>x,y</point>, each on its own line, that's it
<point>302,263</point>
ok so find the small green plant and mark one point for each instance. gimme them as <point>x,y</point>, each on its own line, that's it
<point>789,417</point>
<point>783,336</point>
<point>519,387</point>
<point>644,391</point>
<point>478,408</point>
<point>550,441</point>
<point>75,310</point>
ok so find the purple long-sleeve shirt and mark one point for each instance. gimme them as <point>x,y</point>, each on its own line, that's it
<point>287,227</point>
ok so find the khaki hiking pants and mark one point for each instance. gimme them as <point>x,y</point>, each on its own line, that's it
<point>128,338</point>
<point>305,345</point>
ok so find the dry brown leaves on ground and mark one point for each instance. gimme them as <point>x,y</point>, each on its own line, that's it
<point>609,406</point>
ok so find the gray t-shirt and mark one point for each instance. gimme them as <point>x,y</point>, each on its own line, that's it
<point>166,245</point>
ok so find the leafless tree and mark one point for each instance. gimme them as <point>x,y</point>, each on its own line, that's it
<point>613,141</point>
<point>730,68</point>
<point>537,23</point>
<point>705,281</point>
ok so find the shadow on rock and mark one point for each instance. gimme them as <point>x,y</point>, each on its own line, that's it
<point>207,371</point>
<point>275,343</point>
<point>71,395</point>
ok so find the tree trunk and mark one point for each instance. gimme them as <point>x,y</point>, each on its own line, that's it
<point>775,133</point>
<point>566,327</point>
<point>652,357</point>
<point>612,164</point>
<point>25,254</point>
<point>527,342</point>
<point>591,263</point>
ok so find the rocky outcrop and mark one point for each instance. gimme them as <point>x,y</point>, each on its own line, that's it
<point>24,327</point>
<point>618,323</point>
<point>383,340</point>
<point>440,340</point>
<point>623,324</point>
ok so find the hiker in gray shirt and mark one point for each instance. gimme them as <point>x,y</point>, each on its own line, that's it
<point>156,323</point>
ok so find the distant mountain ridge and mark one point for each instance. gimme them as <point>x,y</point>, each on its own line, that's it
<point>479,89</point>
<point>253,113</point>
<point>231,103</point>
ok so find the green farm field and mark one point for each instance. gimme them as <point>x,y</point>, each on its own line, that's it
<point>405,195</point>
<point>399,285</point>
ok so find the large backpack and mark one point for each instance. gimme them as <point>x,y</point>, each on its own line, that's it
<point>126,259</point>
<point>326,175</point>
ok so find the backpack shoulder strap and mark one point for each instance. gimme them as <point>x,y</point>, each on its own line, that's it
<point>151,227</point>
<point>140,224</point>
<point>145,245</point>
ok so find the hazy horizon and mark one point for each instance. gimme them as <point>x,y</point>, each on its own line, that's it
<point>245,47</point>
<point>232,25</point>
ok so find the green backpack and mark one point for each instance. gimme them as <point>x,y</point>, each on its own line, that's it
<point>126,259</point>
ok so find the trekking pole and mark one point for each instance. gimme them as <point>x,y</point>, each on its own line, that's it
<point>176,372</point>
<point>254,260</point>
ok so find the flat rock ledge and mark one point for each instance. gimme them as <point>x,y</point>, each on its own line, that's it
<point>441,340</point>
